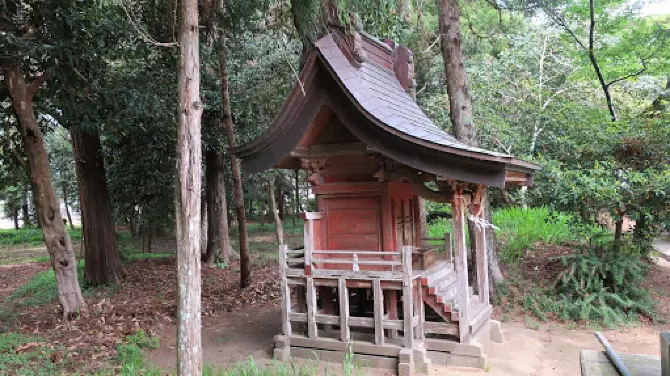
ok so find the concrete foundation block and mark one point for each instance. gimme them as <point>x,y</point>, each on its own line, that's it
<point>281,341</point>
<point>404,369</point>
<point>496,333</point>
<point>406,356</point>
<point>282,354</point>
<point>467,361</point>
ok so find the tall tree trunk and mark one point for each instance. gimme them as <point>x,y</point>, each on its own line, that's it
<point>102,261</point>
<point>15,217</point>
<point>279,196</point>
<point>297,196</point>
<point>204,220</point>
<point>423,220</point>
<point>187,198</point>
<point>245,272</point>
<point>218,240</point>
<point>460,102</point>
<point>56,238</point>
<point>274,212</point>
<point>67,209</point>
<point>25,213</point>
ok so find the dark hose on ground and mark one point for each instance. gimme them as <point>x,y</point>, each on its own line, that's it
<point>613,357</point>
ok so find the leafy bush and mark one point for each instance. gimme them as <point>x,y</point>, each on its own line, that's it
<point>601,284</point>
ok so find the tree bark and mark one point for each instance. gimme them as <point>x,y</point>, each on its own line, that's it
<point>279,196</point>
<point>218,240</point>
<point>460,100</point>
<point>273,209</point>
<point>460,104</point>
<point>15,217</point>
<point>189,165</point>
<point>102,260</point>
<point>67,210</point>
<point>25,213</point>
<point>245,272</point>
<point>423,220</point>
<point>56,237</point>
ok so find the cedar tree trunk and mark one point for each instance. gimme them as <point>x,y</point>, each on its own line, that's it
<point>460,101</point>
<point>273,209</point>
<point>245,273</point>
<point>218,240</point>
<point>56,238</point>
<point>67,210</point>
<point>189,171</point>
<point>15,217</point>
<point>102,264</point>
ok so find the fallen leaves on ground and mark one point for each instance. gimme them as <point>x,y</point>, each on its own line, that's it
<point>145,300</point>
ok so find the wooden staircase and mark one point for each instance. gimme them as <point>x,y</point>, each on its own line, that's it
<point>440,292</point>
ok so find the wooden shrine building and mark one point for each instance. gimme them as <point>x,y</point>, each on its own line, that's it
<point>364,281</point>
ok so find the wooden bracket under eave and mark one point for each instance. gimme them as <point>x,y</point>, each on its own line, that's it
<point>518,178</point>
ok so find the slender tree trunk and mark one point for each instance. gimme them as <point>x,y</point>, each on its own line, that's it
<point>273,209</point>
<point>102,260</point>
<point>56,237</point>
<point>423,220</point>
<point>245,272</point>
<point>67,210</point>
<point>25,213</point>
<point>218,240</point>
<point>460,103</point>
<point>279,196</point>
<point>189,165</point>
<point>150,233</point>
<point>15,217</point>
<point>297,196</point>
<point>204,220</point>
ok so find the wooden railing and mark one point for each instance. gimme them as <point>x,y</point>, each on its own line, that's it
<point>411,296</point>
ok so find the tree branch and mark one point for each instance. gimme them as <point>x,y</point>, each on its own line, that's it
<point>37,82</point>
<point>635,74</point>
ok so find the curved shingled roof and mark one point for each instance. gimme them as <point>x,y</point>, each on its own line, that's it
<point>368,97</point>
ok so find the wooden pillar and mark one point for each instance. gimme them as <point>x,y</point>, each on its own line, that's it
<point>308,238</point>
<point>311,308</point>
<point>419,310</point>
<point>482,259</point>
<point>344,309</point>
<point>407,298</point>
<point>391,308</point>
<point>378,297</point>
<point>461,265</point>
<point>285,292</point>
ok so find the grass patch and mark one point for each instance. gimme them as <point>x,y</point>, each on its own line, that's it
<point>27,355</point>
<point>31,236</point>
<point>41,289</point>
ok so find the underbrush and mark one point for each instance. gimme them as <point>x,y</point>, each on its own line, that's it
<point>602,285</point>
<point>30,236</point>
<point>520,230</point>
<point>28,355</point>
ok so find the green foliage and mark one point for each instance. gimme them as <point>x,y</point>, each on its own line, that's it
<point>22,355</point>
<point>601,284</point>
<point>521,229</point>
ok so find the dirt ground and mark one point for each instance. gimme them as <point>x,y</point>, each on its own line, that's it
<point>239,323</point>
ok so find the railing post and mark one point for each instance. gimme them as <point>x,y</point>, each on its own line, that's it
<point>407,298</point>
<point>285,292</point>
<point>309,244</point>
<point>482,260</point>
<point>461,265</point>
<point>311,308</point>
<point>448,251</point>
<point>378,297</point>
<point>344,309</point>
<point>355,266</point>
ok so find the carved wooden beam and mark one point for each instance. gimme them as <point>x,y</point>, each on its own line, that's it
<point>417,182</point>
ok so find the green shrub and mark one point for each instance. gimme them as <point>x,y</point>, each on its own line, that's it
<point>601,284</point>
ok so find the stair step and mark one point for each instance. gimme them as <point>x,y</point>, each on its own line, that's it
<point>436,273</point>
<point>442,283</point>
